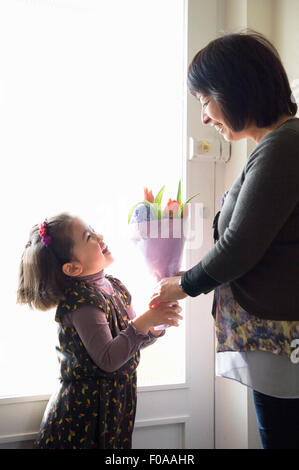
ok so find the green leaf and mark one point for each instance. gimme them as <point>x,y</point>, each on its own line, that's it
<point>155,209</point>
<point>132,210</point>
<point>179,194</point>
<point>192,197</point>
<point>159,196</point>
<point>180,213</point>
<point>158,200</point>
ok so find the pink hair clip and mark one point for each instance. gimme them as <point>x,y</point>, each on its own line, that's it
<point>45,239</point>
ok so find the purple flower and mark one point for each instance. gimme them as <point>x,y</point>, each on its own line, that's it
<point>142,213</point>
<point>46,240</point>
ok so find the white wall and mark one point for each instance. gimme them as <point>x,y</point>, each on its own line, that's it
<point>236,425</point>
<point>239,15</point>
<point>286,34</point>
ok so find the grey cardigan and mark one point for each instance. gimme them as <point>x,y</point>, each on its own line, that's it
<point>258,246</point>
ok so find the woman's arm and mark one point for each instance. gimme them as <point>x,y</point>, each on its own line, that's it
<point>268,195</point>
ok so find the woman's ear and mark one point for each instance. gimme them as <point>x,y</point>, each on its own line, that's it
<point>72,269</point>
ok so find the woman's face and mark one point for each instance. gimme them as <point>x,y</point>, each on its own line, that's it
<point>211,114</point>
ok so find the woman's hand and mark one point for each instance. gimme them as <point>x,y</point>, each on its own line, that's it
<point>167,290</point>
<point>161,314</point>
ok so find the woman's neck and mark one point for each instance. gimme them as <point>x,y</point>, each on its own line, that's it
<point>258,133</point>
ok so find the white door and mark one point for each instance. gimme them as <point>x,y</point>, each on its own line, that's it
<point>178,416</point>
<point>181,415</point>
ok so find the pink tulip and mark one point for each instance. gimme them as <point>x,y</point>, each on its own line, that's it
<point>172,208</point>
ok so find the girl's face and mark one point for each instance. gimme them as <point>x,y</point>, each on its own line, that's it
<point>90,252</point>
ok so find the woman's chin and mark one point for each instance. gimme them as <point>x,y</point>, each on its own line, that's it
<point>227,135</point>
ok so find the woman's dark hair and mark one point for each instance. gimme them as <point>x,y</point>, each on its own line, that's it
<point>244,74</point>
<point>42,283</point>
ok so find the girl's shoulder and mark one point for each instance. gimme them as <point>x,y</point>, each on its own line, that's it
<point>78,294</point>
<point>120,288</point>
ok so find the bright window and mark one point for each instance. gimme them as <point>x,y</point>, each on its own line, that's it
<point>91,111</point>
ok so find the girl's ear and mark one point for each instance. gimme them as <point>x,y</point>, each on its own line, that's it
<point>72,269</point>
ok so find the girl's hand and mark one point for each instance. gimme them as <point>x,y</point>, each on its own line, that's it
<point>161,314</point>
<point>156,333</point>
<point>167,290</point>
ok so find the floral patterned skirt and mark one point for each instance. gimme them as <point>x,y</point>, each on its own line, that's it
<point>94,414</point>
<point>237,330</point>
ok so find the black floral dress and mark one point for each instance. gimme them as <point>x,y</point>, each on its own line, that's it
<point>92,408</point>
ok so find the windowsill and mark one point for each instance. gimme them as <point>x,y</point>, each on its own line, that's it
<point>9,400</point>
<point>23,399</point>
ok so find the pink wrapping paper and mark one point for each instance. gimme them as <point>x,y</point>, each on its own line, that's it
<point>161,243</point>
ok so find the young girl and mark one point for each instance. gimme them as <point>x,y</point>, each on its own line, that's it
<point>99,337</point>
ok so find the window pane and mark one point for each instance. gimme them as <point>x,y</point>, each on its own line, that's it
<point>91,97</point>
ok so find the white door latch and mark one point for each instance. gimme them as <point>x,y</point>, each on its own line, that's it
<point>216,150</point>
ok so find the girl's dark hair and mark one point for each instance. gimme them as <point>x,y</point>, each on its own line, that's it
<point>244,74</point>
<point>42,283</point>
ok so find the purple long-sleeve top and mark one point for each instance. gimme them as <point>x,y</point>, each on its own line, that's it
<point>90,322</point>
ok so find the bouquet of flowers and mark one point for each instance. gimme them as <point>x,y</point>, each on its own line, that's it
<point>160,233</point>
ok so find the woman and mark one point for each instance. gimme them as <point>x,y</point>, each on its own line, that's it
<point>254,265</point>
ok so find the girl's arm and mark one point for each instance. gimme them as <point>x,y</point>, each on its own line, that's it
<point>107,352</point>
<point>152,333</point>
